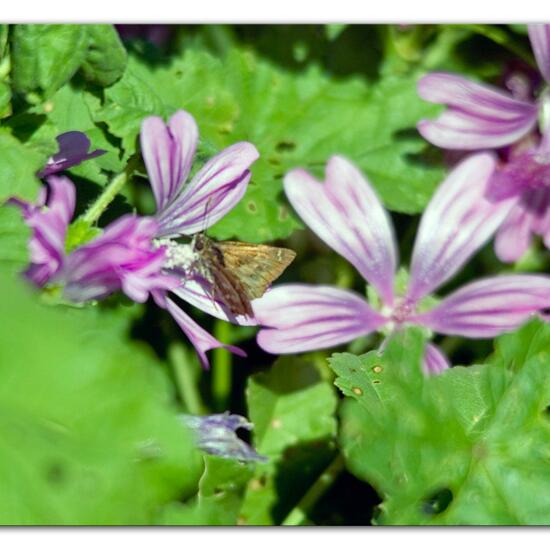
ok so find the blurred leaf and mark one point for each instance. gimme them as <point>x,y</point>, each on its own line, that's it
<point>292,409</point>
<point>4,33</point>
<point>470,446</point>
<point>18,166</point>
<point>5,98</point>
<point>333,31</point>
<point>44,57</point>
<point>106,57</point>
<point>293,120</point>
<point>89,435</point>
<point>14,235</point>
<point>220,496</point>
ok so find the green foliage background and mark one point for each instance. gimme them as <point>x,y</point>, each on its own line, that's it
<point>90,396</point>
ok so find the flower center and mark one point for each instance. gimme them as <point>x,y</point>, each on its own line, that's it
<point>178,256</point>
<point>398,314</point>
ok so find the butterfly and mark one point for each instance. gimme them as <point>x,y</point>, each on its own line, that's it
<point>240,272</point>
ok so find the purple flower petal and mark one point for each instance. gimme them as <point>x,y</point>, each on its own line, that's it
<point>49,225</point>
<point>73,149</point>
<point>211,194</point>
<point>478,116</point>
<point>197,294</point>
<point>346,213</point>
<point>122,258</point>
<point>217,435</point>
<point>489,307</point>
<point>530,215</point>
<point>527,171</point>
<point>435,361</point>
<point>201,340</point>
<point>305,318</point>
<point>168,152</point>
<point>540,42</point>
<point>457,221</point>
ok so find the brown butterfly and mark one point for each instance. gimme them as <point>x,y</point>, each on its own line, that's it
<point>240,272</point>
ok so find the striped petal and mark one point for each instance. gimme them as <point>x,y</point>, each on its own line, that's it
<point>49,226</point>
<point>304,318</point>
<point>346,213</point>
<point>211,194</point>
<point>201,340</point>
<point>168,152</point>
<point>435,361</point>
<point>199,294</point>
<point>539,35</point>
<point>489,307</point>
<point>478,116</point>
<point>456,223</point>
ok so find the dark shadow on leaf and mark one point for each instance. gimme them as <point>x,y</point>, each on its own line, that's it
<point>294,47</point>
<point>437,502</point>
<point>300,467</point>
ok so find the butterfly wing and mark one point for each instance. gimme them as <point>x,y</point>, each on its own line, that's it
<point>256,266</point>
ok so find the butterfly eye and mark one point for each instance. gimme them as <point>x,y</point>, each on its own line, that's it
<point>198,243</point>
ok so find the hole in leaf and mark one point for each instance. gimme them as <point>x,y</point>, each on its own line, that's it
<point>55,473</point>
<point>438,502</point>
<point>285,146</point>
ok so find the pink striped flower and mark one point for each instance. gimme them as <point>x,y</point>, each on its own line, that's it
<point>482,117</point>
<point>348,216</point>
<point>185,208</point>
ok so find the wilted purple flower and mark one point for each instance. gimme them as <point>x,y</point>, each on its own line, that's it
<point>123,258</point>
<point>346,214</point>
<point>73,149</point>
<point>217,435</point>
<point>48,218</point>
<point>184,209</point>
<point>483,117</point>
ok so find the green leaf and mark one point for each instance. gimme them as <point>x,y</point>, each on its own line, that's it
<point>129,101</point>
<point>294,120</point>
<point>70,108</point>
<point>14,236</point>
<point>292,409</point>
<point>334,30</point>
<point>220,496</point>
<point>44,57</point>
<point>106,57</point>
<point>18,166</point>
<point>4,33</point>
<point>470,446</point>
<point>5,98</point>
<point>89,432</point>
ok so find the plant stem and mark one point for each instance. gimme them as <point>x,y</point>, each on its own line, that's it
<point>186,381</point>
<point>107,196</point>
<point>222,367</point>
<point>299,513</point>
